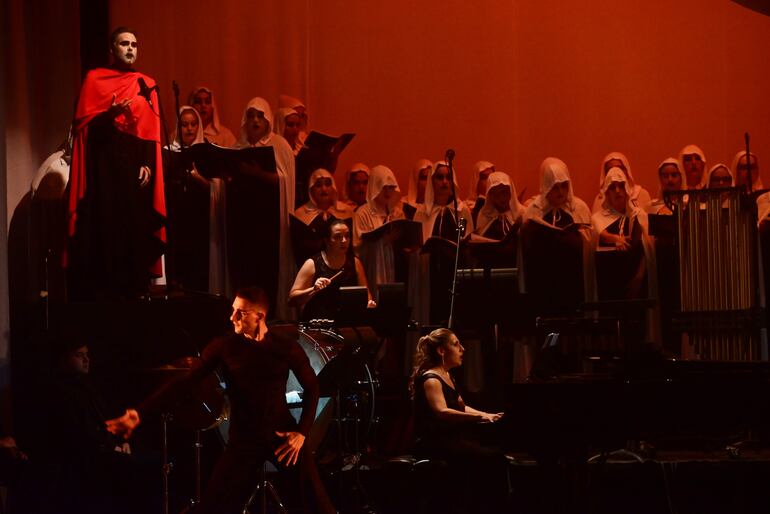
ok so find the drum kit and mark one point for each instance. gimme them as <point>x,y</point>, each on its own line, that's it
<point>345,416</point>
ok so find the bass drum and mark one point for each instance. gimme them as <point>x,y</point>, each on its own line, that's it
<point>347,392</point>
<point>345,380</point>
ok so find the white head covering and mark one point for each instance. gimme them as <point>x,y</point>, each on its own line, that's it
<point>477,169</point>
<point>429,194</point>
<point>636,189</point>
<point>657,205</point>
<point>259,104</point>
<point>430,211</point>
<point>355,168</point>
<point>616,174</point>
<point>295,103</point>
<point>554,171</point>
<point>756,180</point>
<point>620,157</point>
<point>280,119</point>
<point>414,177</point>
<point>175,143</point>
<point>51,177</point>
<point>310,210</point>
<point>290,101</point>
<point>673,162</point>
<point>707,176</point>
<point>215,126</point>
<point>691,150</point>
<point>608,215</point>
<point>377,256</point>
<point>379,177</point>
<point>488,213</point>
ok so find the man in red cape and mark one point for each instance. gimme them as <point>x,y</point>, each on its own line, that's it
<point>116,209</point>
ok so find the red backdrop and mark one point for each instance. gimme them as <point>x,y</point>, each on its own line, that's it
<point>507,81</point>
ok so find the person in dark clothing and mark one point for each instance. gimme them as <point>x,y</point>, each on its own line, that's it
<point>116,209</point>
<point>316,288</point>
<point>76,465</point>
<point>255,362</point>
<point>447,429</point>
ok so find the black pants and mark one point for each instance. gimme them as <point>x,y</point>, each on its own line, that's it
<point>236,475</point>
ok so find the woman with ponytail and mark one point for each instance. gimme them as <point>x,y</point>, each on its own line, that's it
<point>444,424</point>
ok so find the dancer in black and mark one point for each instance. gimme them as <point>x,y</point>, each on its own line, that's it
<point>255,363</point>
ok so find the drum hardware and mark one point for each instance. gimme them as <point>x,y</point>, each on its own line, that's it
<point>167,464</point>
<point>352,461</point>
<point>263,488</point>
<point>203,410</point>
<point>341,362</point>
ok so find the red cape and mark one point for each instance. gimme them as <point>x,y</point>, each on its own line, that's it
<point>96,96</point>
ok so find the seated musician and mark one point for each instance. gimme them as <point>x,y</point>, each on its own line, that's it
<point>670,177</point>
<point>555,242</point>
<point>478,189</point>
<point>639,196</point>
<point>316,290</point>
<point>93,470</point>
<point>256,361</point>
<point>622,227</point>
<point>447,429</point>
<point>322,207</point>
<point>383,205</point>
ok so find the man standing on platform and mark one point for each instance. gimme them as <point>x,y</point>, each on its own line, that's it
<point>115,208</point>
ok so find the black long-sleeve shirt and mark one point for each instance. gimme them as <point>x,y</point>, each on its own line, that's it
<point>256,374</point>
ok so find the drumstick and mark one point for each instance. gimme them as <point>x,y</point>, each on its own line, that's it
<point>336,274</point>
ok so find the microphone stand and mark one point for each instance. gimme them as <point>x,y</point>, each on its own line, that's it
<point>750,185</point>
<point>175,87</point>
<point>450,154</point>
<point>163,155</point>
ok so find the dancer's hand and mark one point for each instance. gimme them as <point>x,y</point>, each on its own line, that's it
<point>288,452</point>
<point>125,424</point>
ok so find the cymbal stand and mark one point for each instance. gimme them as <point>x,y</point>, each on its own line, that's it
<point>167,464</point>
<point>198,446</point>
<point>360,496</point>
<point>263,488</point>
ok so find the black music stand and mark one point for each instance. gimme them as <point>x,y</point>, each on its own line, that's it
<point>352,307</point>
<point>488,297</point>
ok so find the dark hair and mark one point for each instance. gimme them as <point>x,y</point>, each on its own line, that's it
<point>426,355</point>
<point>254,295</point>
<point>327,231</point>
<point>118,31</point>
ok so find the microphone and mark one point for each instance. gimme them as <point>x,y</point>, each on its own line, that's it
<point>450,155</point>
<point>145,90</point>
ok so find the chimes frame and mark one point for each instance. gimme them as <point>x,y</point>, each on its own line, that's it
<point>721,293</point>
